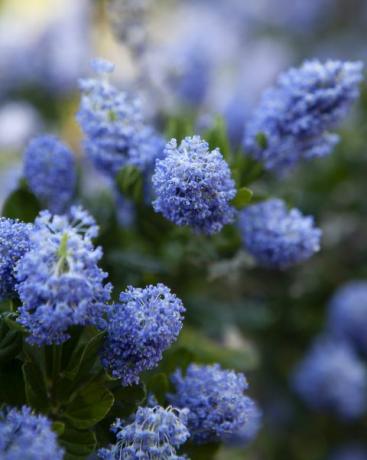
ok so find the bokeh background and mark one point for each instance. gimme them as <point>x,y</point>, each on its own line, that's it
<point>202,58</point>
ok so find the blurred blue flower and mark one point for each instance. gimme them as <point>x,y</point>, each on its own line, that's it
<point>155,433</point>
<point>14,243</point>
<point>348,313</point>
<point>218,408</point>
<point>277,237</point>
<point>139,330</point>
<point>24,435</point>
<point>331,377</point>
<point>116,133</point>
<point>59,281</point>
<point>350,452</point>
<point>194,186</point>
<point>50,170</point>
<point>293,120</point>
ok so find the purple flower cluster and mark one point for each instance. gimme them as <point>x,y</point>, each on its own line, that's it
<point>14,243</point>
<point>276,237</point>
<point>116,134</point>
<point>49,167</point>
<point>293,120</point>
<point>155,433</point>
<point>218,408</point>
<point>194,186</point>
<point>58,280</point>
<point>332,378</point>
<point>24,435</point>
<point>139,329</point>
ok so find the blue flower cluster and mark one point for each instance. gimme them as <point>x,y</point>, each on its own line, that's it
<point>114,127</point>
<point>14,243</point>
<point>194,186</point>
<point>276,237</point>
<point>348,313</point>
<point>218,408</point>
<point>59,281</point>
<point>331,377</point>
<point>49,167</point>
<point>156,433</point>
<point>24,435</point>
<point>140,329</point>
<point>293,120</point>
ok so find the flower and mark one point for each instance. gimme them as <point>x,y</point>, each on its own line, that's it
<point>24,435</point>
<point>194,186</point>
<point>58,280</point>
<point>14,243</point>
<point>348,313</point>
<point>218,408</point>
<point>115,132</point>
<point>49,167</point>
<point>331,377</point>
<point>140,329</point>
<point>276,237</point>
<point>155,433</point>
<point>293,119</point>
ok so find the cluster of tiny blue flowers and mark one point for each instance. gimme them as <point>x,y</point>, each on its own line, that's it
<point>49,167</point>
<point>348,313</point>
<point>24,435</point>
<point>139,330</point>
<point>155,434</point>
<point>14,243</point>
<point>218,408</point>
<point>350,452</point>
<point>115,132</point>
<point>293,120</point>
<point>194,186</point>
<point>59,281</point>
<point>332,378</point>
<point>277,237</point>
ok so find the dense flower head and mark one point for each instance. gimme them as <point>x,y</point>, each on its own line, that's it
<point>155,434</point>
<point>194,186</point>
<point>348,313</point>
<point>139,329</point>
<point>59,281</point>
<point>218,408</point>
<point>350,452</point>
<point>332,378</point>
<point>293,120</point>
<point>116,133</point>
<point>49,167</point>
<point>26,436</point>
<point>277,237</point>
<point>14,243</point>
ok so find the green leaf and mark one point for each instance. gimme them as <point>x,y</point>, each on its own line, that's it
<point>201,452</point>
<point>158,385</point>
<point>130,183</point>
<point>243,198</point>
<point>180,127</point>
<point>208,351</point>
<point>35,386</point>
<point>78,444</point>
<point>10,339</point>
<point>84,357</point>
<point>262,140</point>
<point>127,399</point>
<point>11,384</point>
<point>90,405</point>
<point>58,428</point>
<point>217,137</point>
<point>21,204</point>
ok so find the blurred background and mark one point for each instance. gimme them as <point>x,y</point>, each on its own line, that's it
<point>202,58</point>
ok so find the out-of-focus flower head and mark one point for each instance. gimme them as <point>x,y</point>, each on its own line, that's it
<point>277,237</point>
<point>50,170</point>
<point>116,134</point>
<point>331,377</point>
<point>294,118</point>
